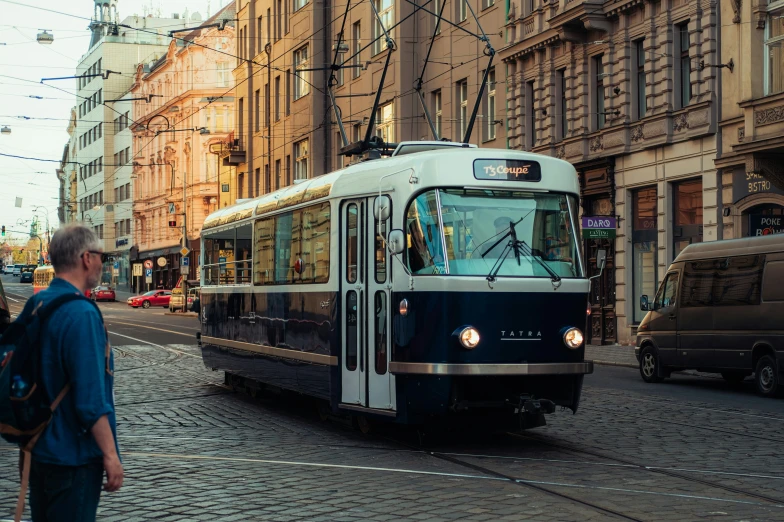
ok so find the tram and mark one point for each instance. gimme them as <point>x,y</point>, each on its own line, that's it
<point>443,282</point>
<point>42,276</point>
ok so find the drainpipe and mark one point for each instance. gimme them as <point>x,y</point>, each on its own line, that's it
<point>717,111</point>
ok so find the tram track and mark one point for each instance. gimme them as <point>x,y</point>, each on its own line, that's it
<point>778,502</point>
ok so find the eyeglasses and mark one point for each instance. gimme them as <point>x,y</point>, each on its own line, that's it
<point>104,257</point>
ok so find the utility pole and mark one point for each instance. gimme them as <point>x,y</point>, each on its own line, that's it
<point>184,238</point>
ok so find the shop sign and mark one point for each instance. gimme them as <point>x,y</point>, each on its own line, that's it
<point>161,262</point>
<point>598,233</point>
<point>762,225</point>
<point>599,222</point>
<point>121,242</point>
<point>748,183</point>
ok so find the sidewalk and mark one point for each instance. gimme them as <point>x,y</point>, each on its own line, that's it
<point>611,355</point>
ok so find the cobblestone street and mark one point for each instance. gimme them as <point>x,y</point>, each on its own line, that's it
<point>194,450</point>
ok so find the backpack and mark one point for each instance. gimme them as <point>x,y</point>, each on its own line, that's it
<point>24,418</point>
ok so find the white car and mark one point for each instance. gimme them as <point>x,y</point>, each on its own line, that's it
<point>17,270</point>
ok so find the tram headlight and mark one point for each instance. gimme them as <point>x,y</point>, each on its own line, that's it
<point>469,337</point>
<point>573,338</point>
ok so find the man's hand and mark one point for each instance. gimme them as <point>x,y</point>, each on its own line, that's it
<point>114,473</point>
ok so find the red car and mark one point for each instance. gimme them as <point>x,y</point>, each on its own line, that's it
<point>103,293</point>
<point>151,298</point>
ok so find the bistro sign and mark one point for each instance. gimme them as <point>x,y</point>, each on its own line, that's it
<point>749,183</point>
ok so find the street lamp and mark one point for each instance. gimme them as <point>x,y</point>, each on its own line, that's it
<point>6,130</point>
<point>45,38</point>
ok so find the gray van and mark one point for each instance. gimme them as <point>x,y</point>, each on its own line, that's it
<point>720,308</point>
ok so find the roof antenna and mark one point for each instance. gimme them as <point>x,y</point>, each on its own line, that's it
<point>418,82</point>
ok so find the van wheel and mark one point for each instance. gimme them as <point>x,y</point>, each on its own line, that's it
<point>649,365</point>
<point>734,377</point>
<point>766,376</point>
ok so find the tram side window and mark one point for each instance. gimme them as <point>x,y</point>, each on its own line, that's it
<point>299,238</point>
<point>424,253</point>
<point>243,254</point>
<point>219,258</point>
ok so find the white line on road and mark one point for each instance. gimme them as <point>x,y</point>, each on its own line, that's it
<point>179,352</point>
<point>441,474</point>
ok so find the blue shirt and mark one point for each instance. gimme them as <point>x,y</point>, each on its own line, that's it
<point>73,350</point>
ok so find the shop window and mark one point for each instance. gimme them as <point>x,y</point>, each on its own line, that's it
<point>774,52</point>
<point>687,219</point>
<point>644,246</point>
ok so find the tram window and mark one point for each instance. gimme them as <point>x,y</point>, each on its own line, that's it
<point>351,330</point>
<point>424,254</point>
<point>243,254</point>
<point>352,246</point>
<point>219,258</point>
<point>381,332</point>
<point>381,252</point>
<point>300,236</point>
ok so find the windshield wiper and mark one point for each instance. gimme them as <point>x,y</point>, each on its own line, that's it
<point>517,246</point>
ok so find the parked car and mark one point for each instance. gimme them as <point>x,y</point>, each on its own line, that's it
<point>103,293</point>
<point>17,270</point>
<point>26,277</point>
<point>719,310</point>
<point>151,298</point>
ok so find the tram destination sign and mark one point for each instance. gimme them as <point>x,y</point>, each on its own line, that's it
<point>507,170</point>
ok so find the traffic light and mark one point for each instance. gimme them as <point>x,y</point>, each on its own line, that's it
<point>172,222</point>
<point>3,230</point>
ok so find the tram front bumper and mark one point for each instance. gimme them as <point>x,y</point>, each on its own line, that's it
<point>537,369</point>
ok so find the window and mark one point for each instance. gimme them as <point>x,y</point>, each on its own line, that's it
<point>353,235</point>
<point>639,57</point>
<point>338,155</point>
<point>301,160</point>
<point>259,34</point>
<point>462,94</point>
<point>278,19</point>
<point>667,291</point>
<point>560,95</point>
<point>223,74</point>
<point>299,238</point>
<point>287,94</point>
<point>256,109</point>
<point>299,4</point>
<point>490,116</point>
<point>487,3</point>
<point>277,98</point>
<point>269,25</point>
<point>530,111</point>
<point>356,61</point>
<point>301,82</point>
<point>438,116</point>
<point>462,10</point>
<point>240,185</point>
<point>684,71</point>
<point>644,246</point>
<point>267,180</point>
<point>730,281</point>
<point>286,16</point>
<point>278,179</point>
<point>267,105</point>
<point>774,52</point>
<point>385,122</point>
<point>529,7</point>
<point>386,12</point>
<point>598,91</point>
<point>356,132</point>
<point>255,188</point>
<point>687,207</point>
<point>241,121</point>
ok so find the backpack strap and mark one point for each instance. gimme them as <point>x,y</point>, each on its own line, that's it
<point>44,311</point>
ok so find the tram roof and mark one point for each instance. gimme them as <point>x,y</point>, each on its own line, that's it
<point>361,178</point>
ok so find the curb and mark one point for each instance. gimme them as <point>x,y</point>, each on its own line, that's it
<point>182,314</point>
<point>611,363</point>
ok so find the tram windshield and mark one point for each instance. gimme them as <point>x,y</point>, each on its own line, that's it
<point>467,223</point>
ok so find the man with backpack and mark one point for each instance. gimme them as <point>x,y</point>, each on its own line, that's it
<point>74,367</point>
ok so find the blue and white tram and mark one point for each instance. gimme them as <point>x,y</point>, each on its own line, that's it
<point>433,284</point>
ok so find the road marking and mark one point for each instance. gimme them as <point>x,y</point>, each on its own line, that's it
<point>437,473</point>
<point>12,299</point>
<point>191,335</point>
<point>156,345</point>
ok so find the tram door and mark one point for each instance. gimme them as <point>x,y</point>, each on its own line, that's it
<point>365,309</point>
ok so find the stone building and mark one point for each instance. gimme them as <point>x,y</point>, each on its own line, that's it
<point>286,129</point>
<point>182,108</point>
<point>627,91</point>
<point>751,139</point>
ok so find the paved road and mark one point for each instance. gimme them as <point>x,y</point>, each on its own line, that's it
<point>691,448</point>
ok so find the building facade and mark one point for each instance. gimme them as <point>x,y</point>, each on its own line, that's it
<point>627,92</point>
<point>751,153</point>
<point>176,134</point>
<point>286,127</point>
<point>104,75</point>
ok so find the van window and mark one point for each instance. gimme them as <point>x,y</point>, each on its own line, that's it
<point>667,291</point>
<point>772,288</point>
<point>731,281</point>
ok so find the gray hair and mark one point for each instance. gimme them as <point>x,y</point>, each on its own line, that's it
<point>70,242</point>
